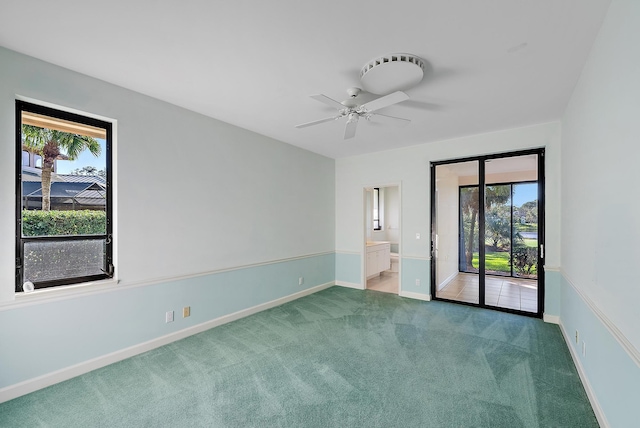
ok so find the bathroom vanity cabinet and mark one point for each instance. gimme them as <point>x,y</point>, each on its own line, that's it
<point>378,257</point>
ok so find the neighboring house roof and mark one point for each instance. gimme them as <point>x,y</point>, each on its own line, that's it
<point>30,173</point>
<point>65,188</point>
<point>68,178</point>
<point>34,174</point>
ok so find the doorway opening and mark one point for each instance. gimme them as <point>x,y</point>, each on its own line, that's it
<point>382,239</point>
<point>487,223</point>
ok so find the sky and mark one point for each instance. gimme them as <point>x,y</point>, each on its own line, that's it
<point>524,193</point>
<point>85,159</point>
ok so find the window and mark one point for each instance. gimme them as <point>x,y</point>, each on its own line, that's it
<point>376,209</point>
<point>63,214</point>
<point>25,158</point>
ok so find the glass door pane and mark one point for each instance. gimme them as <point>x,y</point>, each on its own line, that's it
<point>511,237</point>
<point>525,252</point>
<point>456,231</point>
<point>525,224</point>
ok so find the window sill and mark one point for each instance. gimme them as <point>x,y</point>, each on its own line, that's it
<point>60,293</point>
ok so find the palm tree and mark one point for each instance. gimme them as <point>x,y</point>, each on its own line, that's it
<point>494,195</point>
<point>49,143</point>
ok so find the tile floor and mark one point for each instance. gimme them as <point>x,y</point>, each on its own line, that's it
<point>503,292</point>
<point>387,282</point>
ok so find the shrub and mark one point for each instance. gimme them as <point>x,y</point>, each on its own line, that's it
<point>51,223</point>
<point>525,260</point>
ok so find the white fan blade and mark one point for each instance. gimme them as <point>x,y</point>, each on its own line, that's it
<point>383,118</point>
<point>328,101</point>
<point>316,122</point>
<point>385,101</point>
<point>350,129</point>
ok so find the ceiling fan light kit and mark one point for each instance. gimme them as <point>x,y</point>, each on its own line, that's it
<point>353,110</point>
<point>392,72</point>
<point>384,75</point>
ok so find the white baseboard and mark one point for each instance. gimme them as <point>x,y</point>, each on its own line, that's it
<point>418,296</point>
<point>31,385</point>
<point>602,420</point>
<point>349,285</point>
<point>446,281</point>
<point>551,319</point>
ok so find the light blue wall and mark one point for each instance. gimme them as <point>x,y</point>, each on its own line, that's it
<point>40,339</point>
<point>413,269</point>
<point>552,295</point>
<point>613,375</point>
<point>348,268</point>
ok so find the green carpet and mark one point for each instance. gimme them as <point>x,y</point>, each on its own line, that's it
<point>337,358</point>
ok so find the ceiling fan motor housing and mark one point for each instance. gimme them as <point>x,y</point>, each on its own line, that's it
<point>393,72</point>
<point>353,92</point>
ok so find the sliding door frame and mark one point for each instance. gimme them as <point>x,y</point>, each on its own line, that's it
<point>481,228</point>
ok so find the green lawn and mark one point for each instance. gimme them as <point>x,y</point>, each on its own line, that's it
<point>498,262</point>
<point>527,227</point>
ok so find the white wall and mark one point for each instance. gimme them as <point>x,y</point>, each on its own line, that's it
<point>512,177</point>
<point>447,216</point>
<point>600,174</point>
<point>392,214</point>
<point>389,217</point>
<point>194,194</point>
<point>368,208</point>
<point>410,166</point>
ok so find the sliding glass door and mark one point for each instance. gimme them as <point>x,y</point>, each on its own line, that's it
<point>456,232</point>
<point>487,224</point>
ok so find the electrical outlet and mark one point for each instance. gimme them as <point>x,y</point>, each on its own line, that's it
<point>169,316</point>
<point>577,337</point>
<point>417,236</point>
<point>584,349</point>
<point>418,281</point>
<point>301,280</point>
<point>186,311</point>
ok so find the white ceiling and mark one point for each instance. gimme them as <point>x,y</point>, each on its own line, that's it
<point>493,64</point>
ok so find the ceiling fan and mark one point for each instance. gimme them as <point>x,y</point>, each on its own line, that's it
<point>353,111</point>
